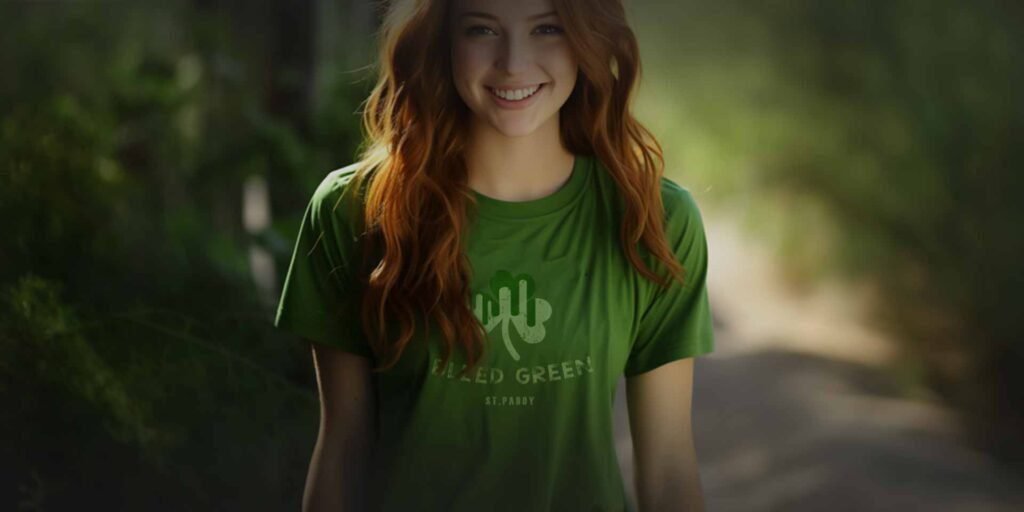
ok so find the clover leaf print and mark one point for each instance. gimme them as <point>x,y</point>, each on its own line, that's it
<point>511,301</point>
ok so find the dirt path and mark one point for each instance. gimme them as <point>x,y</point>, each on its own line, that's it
<point>779,430</point>
<point>792,413</point>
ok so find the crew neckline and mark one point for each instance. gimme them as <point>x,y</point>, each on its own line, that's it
<point>517,210</point>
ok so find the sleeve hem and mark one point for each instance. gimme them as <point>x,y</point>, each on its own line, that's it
<point>325,338</point>
<point>667,357</point>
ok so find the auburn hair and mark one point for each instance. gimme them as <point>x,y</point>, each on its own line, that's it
<point>412,179</point>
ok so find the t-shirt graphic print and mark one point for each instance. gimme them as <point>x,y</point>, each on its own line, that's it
<point>530,428</point>
<point>511,301</point>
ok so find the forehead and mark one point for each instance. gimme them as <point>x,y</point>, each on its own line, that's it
<point>505,11</point>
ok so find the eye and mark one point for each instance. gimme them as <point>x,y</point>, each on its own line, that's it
<point>472,31</point>
<point>555,29</point>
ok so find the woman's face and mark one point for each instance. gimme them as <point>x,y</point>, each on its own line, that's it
<point>514,47</point>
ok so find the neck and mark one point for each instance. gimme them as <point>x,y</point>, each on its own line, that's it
<point>517,168</point>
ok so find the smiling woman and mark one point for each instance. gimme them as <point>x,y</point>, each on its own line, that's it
<point>506,249</point>
<point>512,68</point>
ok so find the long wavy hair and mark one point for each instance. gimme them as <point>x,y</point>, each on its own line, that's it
<point>416,204</point>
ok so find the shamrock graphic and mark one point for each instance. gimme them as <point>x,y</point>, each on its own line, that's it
<point>514,304</point>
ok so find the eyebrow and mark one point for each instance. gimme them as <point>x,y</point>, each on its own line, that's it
<point>477,14</point>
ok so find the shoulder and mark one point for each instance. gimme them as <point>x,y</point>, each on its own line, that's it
<point>680,208</point>
<point>335,184</point>
<point>682,213</point>
<point>333,200</point>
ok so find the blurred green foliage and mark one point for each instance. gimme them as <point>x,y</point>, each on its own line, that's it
<point>135,343</point>
<point>873,140</point>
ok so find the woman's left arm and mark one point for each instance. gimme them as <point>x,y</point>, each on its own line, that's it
<point>667,478</point>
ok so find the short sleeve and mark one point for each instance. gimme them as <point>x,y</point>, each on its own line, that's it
<point>676,322</point>
<point>320,300</point>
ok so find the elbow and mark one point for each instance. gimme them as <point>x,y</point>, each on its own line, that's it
<point>339,472</point>
<point>670,482</point>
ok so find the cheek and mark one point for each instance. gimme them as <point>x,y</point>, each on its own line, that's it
<point>469,61</point>
<point>564,72</point>
<point>561,61</point>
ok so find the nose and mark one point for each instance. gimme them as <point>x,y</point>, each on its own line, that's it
<point>515,55</point>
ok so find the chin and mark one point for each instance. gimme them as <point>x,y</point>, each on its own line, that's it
<point>517,131</point>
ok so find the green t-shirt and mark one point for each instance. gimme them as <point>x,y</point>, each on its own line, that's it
<point>566,316</point>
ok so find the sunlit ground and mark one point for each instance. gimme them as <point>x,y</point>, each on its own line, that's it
<point>793,411</point>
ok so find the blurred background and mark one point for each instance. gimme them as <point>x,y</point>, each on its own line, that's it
<point>858,165</point>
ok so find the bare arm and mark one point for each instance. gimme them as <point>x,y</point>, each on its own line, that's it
<point>667,478</point>
<point>339,467</point>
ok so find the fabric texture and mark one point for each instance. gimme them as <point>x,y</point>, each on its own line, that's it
<point>566,316</point>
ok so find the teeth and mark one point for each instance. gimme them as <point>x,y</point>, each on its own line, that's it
<point>517,94</point>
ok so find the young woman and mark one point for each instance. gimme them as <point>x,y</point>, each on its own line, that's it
<point>504,250</point>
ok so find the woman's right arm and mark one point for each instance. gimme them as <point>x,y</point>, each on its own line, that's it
<point>339,468</point>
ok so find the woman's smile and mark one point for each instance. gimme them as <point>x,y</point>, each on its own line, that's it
<point>515,99</point>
